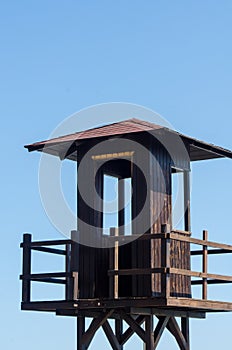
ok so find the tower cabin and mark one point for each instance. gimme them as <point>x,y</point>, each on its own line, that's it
<point>139,269</point>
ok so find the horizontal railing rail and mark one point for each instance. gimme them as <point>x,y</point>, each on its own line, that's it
<point>166,270</point>
<point>69,277</point>
<point>69,248</point>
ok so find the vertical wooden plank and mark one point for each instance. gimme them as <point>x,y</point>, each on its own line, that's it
<point>69,284</point>
<point>165,262</point>
<point>74,266</point>
<point>121,205</point>
<point>111,266</point>
<point>26,283</point>
<point>114,261</point>
<point>116,252</point>
<point>205,265</point>
<point>187,222</point>
<point>187,218</point>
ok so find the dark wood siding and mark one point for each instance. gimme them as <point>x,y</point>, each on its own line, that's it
<point>151,182</point>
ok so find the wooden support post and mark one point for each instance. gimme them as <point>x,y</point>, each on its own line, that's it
<point>165,262</point>
<point>121,205</point>
<point>187,218</point>
<point>185,330</point>
<point>111,267</point>
<point>119,330</point>
<point>26,283</point>
<point>74,266</point>
<point>149,344</point>
<point>68,286</point>
<point>204,265</point>
<point>80,332</point>
<point>114,263</point>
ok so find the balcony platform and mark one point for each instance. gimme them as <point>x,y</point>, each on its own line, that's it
<point>184,307</point>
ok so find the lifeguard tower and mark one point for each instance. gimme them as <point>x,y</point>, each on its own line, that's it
<point>138,271</point>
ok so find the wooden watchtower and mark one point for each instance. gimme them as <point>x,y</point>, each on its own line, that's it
<point>140,270</point>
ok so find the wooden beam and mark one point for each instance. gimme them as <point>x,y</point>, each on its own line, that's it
<point>204,265</point>
<point>197,282</point>
<point>50,250</point>
<point>121,205</point>
<point>46,243</point>
<point>49,280</point>
<point>165,262</point>
<point>129,332</point>
<point>167,312</point>
<point>184,272</point>
<point>111,336</point>
<point>149,344</point>
<point>80,332</point>
<point>119,329</point>
<point>74,265</point>
<point>69,281</point>
<point>178,237</point>
<point>185,330</point>
<point>211,252</point>
<point>114,262</point>
<point>187,217</point>
<point>139,271</point>
<point>163,321</point>
<point>26,284</point>
<point>38,276</point>
<point>94,326</point>
<point>174,329</point>
<point>134,326</point>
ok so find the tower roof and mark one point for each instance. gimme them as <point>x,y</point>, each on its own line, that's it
<point>199,150</point>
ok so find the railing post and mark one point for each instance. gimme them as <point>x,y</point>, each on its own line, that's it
<point>165,261</point>
<point>26,283</point>
<point>204,265</point>
<point>74,266</point>
<point>69,280</point>
<point>114,264</point>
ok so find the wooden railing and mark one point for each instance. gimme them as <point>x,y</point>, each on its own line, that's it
<point>165,269</point>
<point>69,277</point>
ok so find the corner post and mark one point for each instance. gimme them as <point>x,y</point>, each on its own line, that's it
<point>119,331</point>
<point>80,332</point>
<point>185,330</point>
<point>26,283</point>
<point>74,266</point>
<point>165,261</point>
<point>69,284</point>
<point>149,330</point>
<point>204,265</point>
<point>114,262</point>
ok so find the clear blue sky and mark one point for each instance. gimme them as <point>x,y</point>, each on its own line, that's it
<point>60,56</point>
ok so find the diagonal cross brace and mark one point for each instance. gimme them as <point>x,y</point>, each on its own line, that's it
<point>94,326</point>
<point>134,326</point>
<point>111,336</point>
<point>162,324</point>
<point>174,329</point>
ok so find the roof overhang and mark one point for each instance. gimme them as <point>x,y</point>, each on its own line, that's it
<point>65,146</point>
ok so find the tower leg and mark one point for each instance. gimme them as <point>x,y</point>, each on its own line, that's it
<point>149,344</point>
<point>119,331</point>
<point>185,330</point>
<point>80,332</point>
